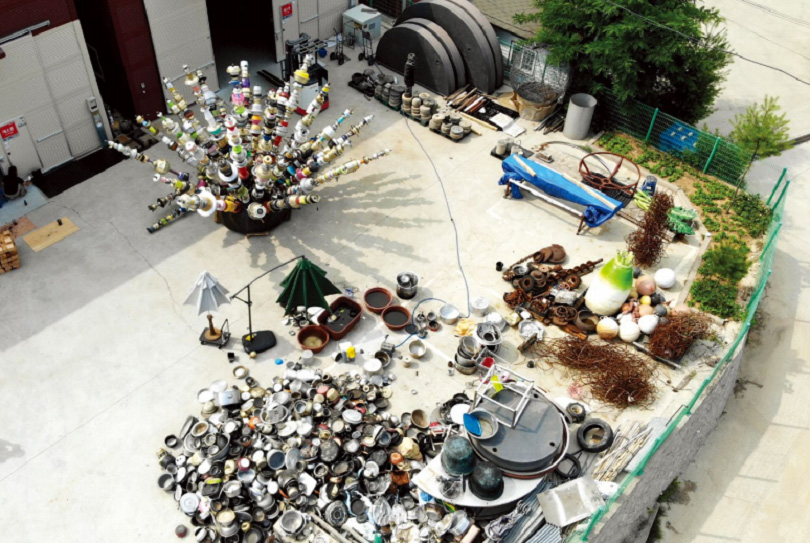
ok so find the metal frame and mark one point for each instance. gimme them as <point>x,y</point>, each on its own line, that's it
<point>486,384</point>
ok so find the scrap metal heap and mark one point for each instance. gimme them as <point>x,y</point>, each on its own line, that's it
<point>247,160</point>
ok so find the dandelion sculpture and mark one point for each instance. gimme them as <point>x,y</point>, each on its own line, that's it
<point>248,168</point>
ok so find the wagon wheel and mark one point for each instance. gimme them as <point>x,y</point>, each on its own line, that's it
<point>609,182</point>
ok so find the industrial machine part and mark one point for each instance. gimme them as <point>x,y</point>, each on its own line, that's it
<point>452,51</point>
<point>469,36</point>
<point>434,69</point>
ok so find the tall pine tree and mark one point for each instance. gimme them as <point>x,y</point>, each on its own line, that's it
<point>667,54</point>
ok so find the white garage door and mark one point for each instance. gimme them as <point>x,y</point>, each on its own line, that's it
<point>181,35</point>
<point>45,83</point>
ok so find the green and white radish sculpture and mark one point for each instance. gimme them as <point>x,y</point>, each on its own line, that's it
<point>611,286</point>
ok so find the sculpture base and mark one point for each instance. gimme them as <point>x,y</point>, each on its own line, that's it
<point>242,223</point>
<point>259,341</point>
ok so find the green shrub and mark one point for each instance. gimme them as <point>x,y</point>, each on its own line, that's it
<point>716,297</point>
<point>726,262</point>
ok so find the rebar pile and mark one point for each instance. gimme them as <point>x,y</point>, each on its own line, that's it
<point>675,334</point>
<point>613,374</point>
<point>649,242</point>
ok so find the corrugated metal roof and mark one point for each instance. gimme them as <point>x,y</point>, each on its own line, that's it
<point>500,12</point>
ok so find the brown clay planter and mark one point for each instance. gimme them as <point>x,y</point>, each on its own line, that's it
<point>309,336</point>
<point>396,317</point>
<point>377,299</point>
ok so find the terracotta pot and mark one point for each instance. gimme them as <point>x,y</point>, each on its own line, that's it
<point>374,293</point>
<point>309,336</point>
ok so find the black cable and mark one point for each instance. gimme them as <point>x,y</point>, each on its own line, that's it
<point>778,14</point>
<point>767,39</point>
<point>698,42</point>
<point>449,212</point>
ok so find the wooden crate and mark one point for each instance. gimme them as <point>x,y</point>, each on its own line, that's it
<point>9,257</point>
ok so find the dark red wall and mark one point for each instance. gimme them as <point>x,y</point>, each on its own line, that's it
<point>19,14</point>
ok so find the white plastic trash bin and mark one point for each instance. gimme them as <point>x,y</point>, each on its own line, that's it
<point>578,119</point>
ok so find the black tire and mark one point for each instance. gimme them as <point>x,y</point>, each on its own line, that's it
<point>595,436</point>
<point>332,56</point>
<point>362,56</point>
<point>573,472</point>
<point>576,412</point>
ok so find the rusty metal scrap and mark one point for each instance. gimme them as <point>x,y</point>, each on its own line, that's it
<point>614,374</point>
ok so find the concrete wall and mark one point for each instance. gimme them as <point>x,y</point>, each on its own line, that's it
<point>629,514</point>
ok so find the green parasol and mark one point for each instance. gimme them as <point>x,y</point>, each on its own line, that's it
<point>306,286</point>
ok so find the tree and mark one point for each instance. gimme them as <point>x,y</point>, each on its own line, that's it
<point>760,131</point>
<point>665,53</point>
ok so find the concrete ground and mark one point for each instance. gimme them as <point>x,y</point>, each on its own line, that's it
<point>749,481</point>
<point>100,358</point>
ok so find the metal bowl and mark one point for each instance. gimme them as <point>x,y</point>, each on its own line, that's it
<point>449,314</point>
<point>417,348</point>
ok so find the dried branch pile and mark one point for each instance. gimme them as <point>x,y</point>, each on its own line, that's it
<point>648,243</point>
<point>675,334</point>
<point>614,374</point>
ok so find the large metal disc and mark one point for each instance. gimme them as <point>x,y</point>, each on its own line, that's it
<point>452,51</point>
<point>466,34</point>
<point>489,32</point>
<point>434,69</point>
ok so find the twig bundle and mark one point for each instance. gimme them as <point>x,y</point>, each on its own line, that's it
<point>613,374</point>
<point>648,243</point>
<point>675,334</point>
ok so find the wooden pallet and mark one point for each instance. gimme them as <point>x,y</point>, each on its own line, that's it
<point>9,257</point>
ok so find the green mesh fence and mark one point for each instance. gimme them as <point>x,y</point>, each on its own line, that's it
<point>707,152</point>
<point>777,201</point>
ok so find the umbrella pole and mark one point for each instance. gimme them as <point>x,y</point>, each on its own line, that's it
<point>250,319</point>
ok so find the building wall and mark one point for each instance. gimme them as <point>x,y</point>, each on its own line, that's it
<point>18,14</point>
<point>630,512</point>
<point>45,81</point>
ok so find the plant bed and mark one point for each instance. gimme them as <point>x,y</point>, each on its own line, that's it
<point>736,224</point>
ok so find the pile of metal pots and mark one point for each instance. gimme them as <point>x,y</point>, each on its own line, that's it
<point>485,340</point>
<point>323,446</point>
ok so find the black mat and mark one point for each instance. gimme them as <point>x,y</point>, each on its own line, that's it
<point>59,180</point>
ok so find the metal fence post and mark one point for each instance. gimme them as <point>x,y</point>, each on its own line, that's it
<point>711,156</point>
<point>784,190</point>
<point>652,123</point>
<point>776,186</point>
<point>768,245</point>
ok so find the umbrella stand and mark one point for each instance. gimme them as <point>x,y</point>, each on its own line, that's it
<point>220,336</point>
<point>262,340</point>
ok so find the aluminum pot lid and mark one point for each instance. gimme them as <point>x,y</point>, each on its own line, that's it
<point>352,416</point>
<point>190,421</point>
<point>275,414</point>
<point>292,458</point>
<point>287,429</point>
<point>232,488</point>
<point>329,450</point>
<point>205,395</point>
<point>189,503</point>
<point>219,385</point>
<point>377,380</point>
<point>351,446</point>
